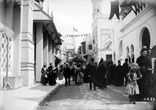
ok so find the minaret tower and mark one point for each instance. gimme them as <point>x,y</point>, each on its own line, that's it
<point>97,8</point>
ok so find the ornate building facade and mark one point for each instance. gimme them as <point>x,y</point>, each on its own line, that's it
<point>28,38</point>
<point>102,30</point>
<point>136,28</point>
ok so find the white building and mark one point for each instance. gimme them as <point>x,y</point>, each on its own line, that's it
<point>87,48</point>
<point>137,29</point>
<point>28,38</point>
<point>102,30</point>
<point>68,47</point>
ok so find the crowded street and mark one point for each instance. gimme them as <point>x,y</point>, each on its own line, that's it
<point>81,98</point>
<point>77,55</point>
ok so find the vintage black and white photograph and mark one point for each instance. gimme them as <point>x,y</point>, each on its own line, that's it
<point>77,54</point>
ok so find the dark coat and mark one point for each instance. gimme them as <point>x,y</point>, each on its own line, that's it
<point>144,82</point>
<point>51,76</point>
<point>67,72</point>
<point>125,68</point>
<point>119,76</point>
<point>44,76</point>
<point>101,75</point>
<point>91,72</point>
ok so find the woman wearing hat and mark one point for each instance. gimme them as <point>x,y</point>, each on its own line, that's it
<point>143,83</point>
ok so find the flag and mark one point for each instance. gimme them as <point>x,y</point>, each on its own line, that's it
<point>74,29</point>
<point>114,9</point>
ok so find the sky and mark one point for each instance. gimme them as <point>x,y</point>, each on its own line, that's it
<point>71,13</point>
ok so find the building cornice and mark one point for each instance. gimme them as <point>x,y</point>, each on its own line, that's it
<point>37,9</point>
<point>134,20</point>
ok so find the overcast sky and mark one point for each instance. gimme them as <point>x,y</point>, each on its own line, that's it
<point>71,13</point>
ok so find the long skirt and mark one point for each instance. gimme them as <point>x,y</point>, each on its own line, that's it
<point>132,89</point>
<point>44,80</point>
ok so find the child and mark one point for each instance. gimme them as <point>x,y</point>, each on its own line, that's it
<point>132,87</point>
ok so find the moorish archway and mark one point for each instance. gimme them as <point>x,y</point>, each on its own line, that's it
<point>132,54</point>
<point>145,38</point>
<point>120,49</point>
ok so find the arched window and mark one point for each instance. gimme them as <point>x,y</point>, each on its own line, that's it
<point>145,38</point>
<point>127,54</point>
<point>120,49</point>
<point>132,53</point>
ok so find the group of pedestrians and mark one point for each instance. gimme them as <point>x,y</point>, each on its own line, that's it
<point>48,75</point>
<point>138,78</point>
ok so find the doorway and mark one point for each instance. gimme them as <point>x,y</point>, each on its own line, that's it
<point>145,38</point>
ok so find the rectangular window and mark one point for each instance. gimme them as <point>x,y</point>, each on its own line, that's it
<point>90,47</point>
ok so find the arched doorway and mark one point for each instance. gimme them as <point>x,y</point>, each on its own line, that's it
<point>120,50</point>
<point>145,38</point>
<point>127,51</point>
<point>132,53</point>
<point>127,54</point>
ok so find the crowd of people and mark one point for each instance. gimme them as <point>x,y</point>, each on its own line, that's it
<point>138,78</point>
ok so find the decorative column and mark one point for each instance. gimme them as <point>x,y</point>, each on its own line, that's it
<point>6,35</point>
<point>53,55</point>
<point>45,49</point>
<point>17,28</point>
<point>27,44</point>
<point>39,51</point>
<point>49,51</point>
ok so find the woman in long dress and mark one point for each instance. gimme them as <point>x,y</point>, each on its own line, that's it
<point>143,83</point>
<point>101,75</point>
<point>44,75</point>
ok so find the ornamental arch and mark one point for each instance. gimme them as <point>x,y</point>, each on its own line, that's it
<point>120,49</point>
<point>145,38</point>
<point>132,54</point>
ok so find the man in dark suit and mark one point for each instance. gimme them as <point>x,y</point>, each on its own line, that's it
<point>67,74</point>
<point>91,70</point>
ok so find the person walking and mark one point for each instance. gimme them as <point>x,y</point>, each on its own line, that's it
<point>67,75</point>
<point>51,76</point>
<point>101,74</point>
<point>119,74</point>
<point>125,70</point>
<point>44,75</point>
<point>91,71</point>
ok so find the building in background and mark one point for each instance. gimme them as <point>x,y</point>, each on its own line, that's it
<point>87,47</point>
<point>28,38</point>
<point>136,28</point>
<point>68,48</point>
<point>102,30</point>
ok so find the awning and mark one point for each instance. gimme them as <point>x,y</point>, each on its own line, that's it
<point>51,29</point>
<point>40,16</point>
